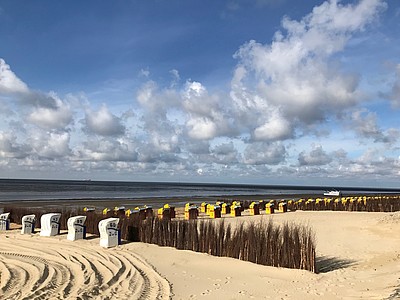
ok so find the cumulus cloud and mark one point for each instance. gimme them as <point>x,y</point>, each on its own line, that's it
<point>202,128</point>
<point>161,133</point>
<point>225,154</point>
<point>9,82</point>
<point>175,77</point>
<point>365,125</point>
<point>10,148</point>
<point>261,153</point>
<point>275,128</point>
<point>51,145</point>
<point>103,122</point>
<point>293,81</point>
<point>58,117</point>
<point>316,157</point>
<point>394,95</point>
<point>373,162</point>
<point>207,118</point>
<point>106,150</point>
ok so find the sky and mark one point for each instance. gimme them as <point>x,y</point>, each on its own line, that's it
<point>227,91</point>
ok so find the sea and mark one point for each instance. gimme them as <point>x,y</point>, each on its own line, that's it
<point>74,191</point>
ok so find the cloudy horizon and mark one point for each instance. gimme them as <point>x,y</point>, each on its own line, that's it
<point>260,92</point>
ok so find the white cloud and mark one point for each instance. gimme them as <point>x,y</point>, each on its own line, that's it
<point>275,128</point>
<point>165,143</point>
<point>202,128</point>
<point>144,72</point>
<point>225,154</point>
<point>261,153</point>
<point>394,95</point>
<point>10,148</point>
<point>364,123</point>
<point>155,101</point>
<point>316,157</point>
<point>9,82</point>
<point>103,122</point>
<point>175,77</point>
<point>206,115</point>
<point>106,150</point>
<point>295,74</point>
<point>161,134</point>
<point>51,145</point>
<point>52,118</point>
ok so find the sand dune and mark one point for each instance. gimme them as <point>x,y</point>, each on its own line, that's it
<point>358,258</point>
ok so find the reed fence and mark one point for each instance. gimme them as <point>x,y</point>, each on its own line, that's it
<point>288,245</point>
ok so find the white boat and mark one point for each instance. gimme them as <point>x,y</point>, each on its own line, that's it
<point>332,193</point>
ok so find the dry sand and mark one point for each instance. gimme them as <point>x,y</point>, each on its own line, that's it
<point>358,258</point>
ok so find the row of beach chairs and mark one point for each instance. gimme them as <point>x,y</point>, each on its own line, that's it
<point>110,235</point>
<point>218,209</point>
<point>192,211</point>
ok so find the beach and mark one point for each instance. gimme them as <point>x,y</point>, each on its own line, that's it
<point>358,257</point>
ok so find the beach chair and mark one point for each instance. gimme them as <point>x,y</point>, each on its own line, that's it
<point>28,224</point>
<point>164,213</point>
<point>269,208</point>
<point>254,208</point>
<point>119,211</point>
<point>214,211</point>
<point>236,210</point>
<point>203,207</point>
<point>4,221</point>
<point>89,209</point>
<point>225,209</point>
<point>50,224</point>
<point>110,235</point>
<point>282,207</point>
<point>191,212</point>
<point>76,228</point>
<point>171,210</point>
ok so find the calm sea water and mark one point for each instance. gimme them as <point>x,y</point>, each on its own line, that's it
<point>21,189</point>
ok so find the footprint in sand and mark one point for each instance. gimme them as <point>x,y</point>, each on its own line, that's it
<point>207,292</point>
<point>217,286</point>
<point>246,294</point>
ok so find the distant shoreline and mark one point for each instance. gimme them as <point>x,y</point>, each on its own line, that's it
<point>7,182</point>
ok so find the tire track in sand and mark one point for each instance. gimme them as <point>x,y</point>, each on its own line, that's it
<point>34,267</point>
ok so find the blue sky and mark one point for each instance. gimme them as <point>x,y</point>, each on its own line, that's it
<point>239,91</point>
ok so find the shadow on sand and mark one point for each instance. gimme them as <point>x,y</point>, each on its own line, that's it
<point>327,264</point>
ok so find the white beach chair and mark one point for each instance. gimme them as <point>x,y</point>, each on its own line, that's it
<point>76,228</point>
<point>28,224</point>
<point>50,224</point>
<point>4,221</point>
<point>109,233</point>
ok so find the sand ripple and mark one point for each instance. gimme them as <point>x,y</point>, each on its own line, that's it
<point>33,267</point>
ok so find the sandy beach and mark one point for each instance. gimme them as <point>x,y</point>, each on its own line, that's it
<point>358,257</point>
